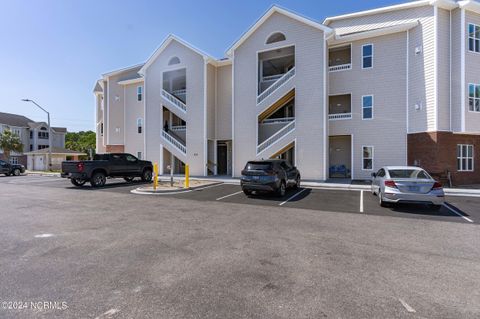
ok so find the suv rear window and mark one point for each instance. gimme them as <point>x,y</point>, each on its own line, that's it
<point>408,173</point>
<point>258,166</point>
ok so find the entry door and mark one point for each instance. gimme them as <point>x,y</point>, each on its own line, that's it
<point>222,152</point>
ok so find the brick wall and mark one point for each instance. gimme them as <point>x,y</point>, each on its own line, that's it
<point>115,149</point>
<point>436,152</point>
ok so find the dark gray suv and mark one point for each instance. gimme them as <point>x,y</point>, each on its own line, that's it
<point>273,175</point>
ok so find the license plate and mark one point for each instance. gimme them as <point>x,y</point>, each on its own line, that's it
<point>413,188</point>
<point>256,177</point>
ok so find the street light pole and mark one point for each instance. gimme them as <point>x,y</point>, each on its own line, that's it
<point>49,132</point>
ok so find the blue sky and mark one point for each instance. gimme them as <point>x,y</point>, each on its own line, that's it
<point>53,51</point>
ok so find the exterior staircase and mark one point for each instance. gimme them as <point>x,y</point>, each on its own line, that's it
<point>278,89</point>
<point>175,145</point>
<point>277,141</point>
<point>174,104</point>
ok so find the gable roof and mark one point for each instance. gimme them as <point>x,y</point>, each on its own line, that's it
<point>445,4</point>
<point>266,15</point>
<point>14,119</point>
<point>129,68</point>
<point>164,45</point>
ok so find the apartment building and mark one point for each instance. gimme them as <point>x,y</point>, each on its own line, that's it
<point>34,135</point>
<point>391,86</point>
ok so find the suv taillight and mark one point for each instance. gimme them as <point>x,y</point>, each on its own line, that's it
<point>437,186</point>
<point>390,184</point>
<point>80,167</point>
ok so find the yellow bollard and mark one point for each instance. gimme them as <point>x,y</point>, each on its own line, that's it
<point>187,176</point>
<point>155,176</point>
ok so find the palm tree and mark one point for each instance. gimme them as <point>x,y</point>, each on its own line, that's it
<point>10,142</point>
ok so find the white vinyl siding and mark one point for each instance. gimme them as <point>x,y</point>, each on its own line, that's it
<point>465,158</point>
<point>473,38</point>
<point>367,107</point>
<point>367,158</point>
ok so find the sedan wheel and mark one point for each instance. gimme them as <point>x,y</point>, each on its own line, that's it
<point>380,200</point>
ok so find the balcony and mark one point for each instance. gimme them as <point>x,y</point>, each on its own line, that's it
<point>274,69</point>
<point>340,59</point>
<point>340,107</point>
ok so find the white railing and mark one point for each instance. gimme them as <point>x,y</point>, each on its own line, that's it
<point>272,77</point>
<point>172,99</point>
<point>276,85</point>
<point>179,92</point>
<point>340,116</point>
<point>342,67</point>
<point>278,120</point>
<point>178,128</point>
<point>172,140</point>
<point>276,137</point>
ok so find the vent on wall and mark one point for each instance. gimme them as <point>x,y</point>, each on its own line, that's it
<point>418,106</point>
<point>418,50</point>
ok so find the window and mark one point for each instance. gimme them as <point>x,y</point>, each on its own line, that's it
<point>367,56</point>
<point>465,158</point>
<point>174,60</point>
<point>31,134</point>
<point>367,107</point>
<point>43,134</point>
<point>41,147</point>
<point>139,126</point>
<point>139,93</point>
<point>473,38</point>
<point>101,129</point>
<point>14,160</point>
<point>367,156</point>
<point>276,37</point>
<point>130,158</point>
<point>381,173</point>
<point>139,155</point>
<point>16,131</point>
<point>474,98</point>
<point>31,147</point>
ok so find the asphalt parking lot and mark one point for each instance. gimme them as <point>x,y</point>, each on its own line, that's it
<point>215,253</point>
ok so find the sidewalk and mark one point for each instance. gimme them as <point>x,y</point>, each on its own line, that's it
<point>42,173</point>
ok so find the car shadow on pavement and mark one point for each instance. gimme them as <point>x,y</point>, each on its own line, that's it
<point>302,193</point>
<point>419,209</point>
<point>109,185</point>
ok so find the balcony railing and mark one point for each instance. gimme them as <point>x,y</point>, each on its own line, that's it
<point>176,143</point>
<point>276,137</point>
<point>178,128</point>
<point>175,101</point>
<point>284,78</point>
<point>340,116</point>
<point>278,120</point>
<point>341,67</point>
<point>272,77</point>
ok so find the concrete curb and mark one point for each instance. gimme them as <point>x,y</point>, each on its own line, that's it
<point>139,191</point>
<point>42,174</point>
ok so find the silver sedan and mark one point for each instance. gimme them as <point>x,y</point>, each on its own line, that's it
<point>406,184</point>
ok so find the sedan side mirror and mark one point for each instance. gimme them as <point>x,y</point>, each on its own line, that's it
<point>374,175</point>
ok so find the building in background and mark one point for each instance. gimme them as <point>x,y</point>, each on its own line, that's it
<point>34,135</point>
<point>398,85</point>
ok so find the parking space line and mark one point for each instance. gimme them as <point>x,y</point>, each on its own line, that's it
<point>453,210</point>
<point>220,198</point>
<point>361,202</point>
<point>292,197</point>
<point>407,306</point>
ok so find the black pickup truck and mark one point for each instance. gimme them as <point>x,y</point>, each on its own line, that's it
<point>11,169</point>
<point>96,172</point>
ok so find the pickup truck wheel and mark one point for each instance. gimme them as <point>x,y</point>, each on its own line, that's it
<point>98,179</point>
<point>282,189</point>
<point>128,179</point>
<point>147,175</point>
<point>77,181</point>
<point>16,172</point>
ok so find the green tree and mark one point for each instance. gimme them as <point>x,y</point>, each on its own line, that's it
<point>82,141</point>
<point>10,142</point>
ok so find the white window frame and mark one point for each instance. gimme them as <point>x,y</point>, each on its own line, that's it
<point>17,132</point>
<point>476,45</point>
<point>139,93</point>
<point>364,158</point>
<point>364,107</point>
<point>367,56</point>
<point>13,160</point>
<point>140,125</point>
<point>475,98</point>
<point>464,156</point>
